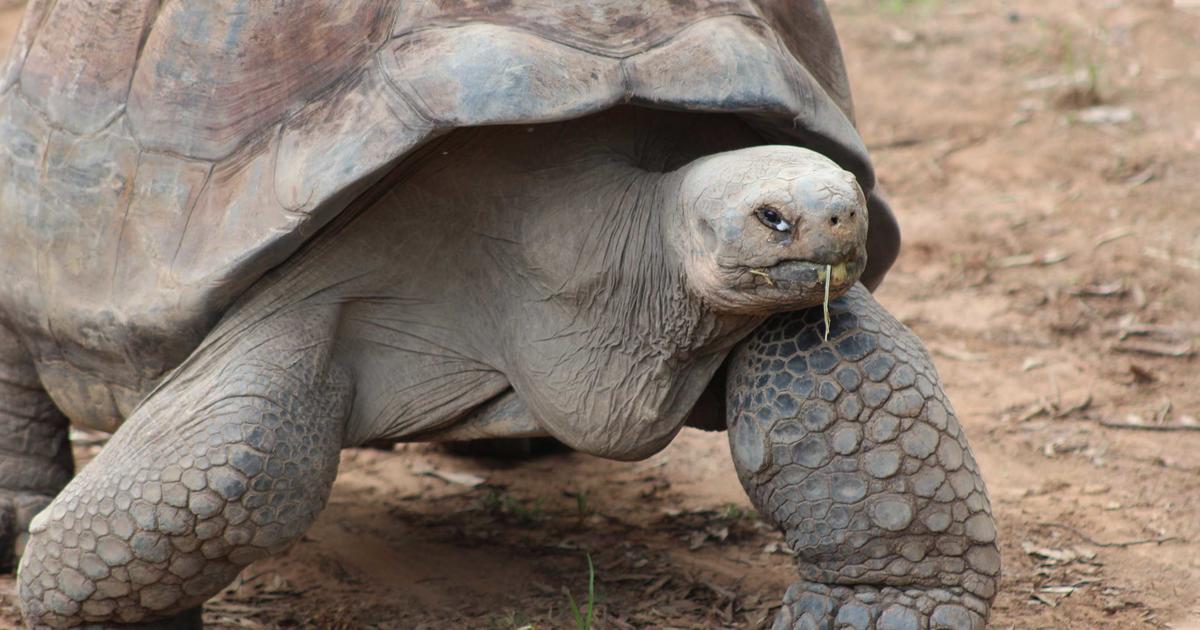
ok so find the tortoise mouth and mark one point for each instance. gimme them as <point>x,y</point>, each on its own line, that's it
<point>793,274</point>
<point>787,285</point>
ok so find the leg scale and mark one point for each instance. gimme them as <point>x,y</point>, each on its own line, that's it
<point>850,446</point>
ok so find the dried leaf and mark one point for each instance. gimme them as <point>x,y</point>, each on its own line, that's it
<point>1113,234</point>
<point>1109,289</point>
<point>1155,348</point>
<point>449,476</point>
<point>1032,363</point>
<point>1049,555</point>
<point>1049,601</point>
<point>959,354</point>
<point>1026,260</point>
<point>656,586</point>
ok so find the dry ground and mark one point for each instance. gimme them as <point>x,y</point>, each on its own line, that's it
<point>1044,158</point>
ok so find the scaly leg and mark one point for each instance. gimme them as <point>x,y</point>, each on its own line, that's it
<point>229,461</point>
<point>852,449</point>
<point>35,453</point>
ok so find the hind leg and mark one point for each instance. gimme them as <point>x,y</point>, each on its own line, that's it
<point>230,460</point>
<point>35,454</point>
<point>852,449</point>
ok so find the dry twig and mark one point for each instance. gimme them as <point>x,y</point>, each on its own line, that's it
<point>1155,348</point>
<point>1096,543</point>
<point>1150,427</point>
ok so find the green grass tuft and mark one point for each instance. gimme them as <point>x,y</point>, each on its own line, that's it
<point>584,618</point>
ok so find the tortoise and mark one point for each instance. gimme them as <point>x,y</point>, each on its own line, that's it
<point>246,235</point>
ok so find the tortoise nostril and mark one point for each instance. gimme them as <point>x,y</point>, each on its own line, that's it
<point>833,220</point>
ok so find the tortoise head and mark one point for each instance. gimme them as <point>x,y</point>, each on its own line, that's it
<point>761,228</point>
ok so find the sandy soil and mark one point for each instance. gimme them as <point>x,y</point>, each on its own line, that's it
<point>1044,158</point>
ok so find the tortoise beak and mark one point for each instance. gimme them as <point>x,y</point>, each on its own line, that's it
<point>801,272</point>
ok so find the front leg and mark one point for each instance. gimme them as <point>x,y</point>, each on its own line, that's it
<point>852,449</point>
<point>231,459</point>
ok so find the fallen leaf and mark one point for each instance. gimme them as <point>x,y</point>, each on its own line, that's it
<point>1155,348</point>
<point>1110,289</point>
<point>460,478</point>
<point>1112,235</point>
<point>903,37</point>
<point>1049,601</point>
<point>1032,363</point>
<point>1026,260</point>
<point>959,354</point>
<point>1105,115</point>
<point>774,547</point>
<point>1049,555</point>
<point>656,586</point>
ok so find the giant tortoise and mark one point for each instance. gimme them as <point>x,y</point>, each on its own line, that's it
<point>244,235</point>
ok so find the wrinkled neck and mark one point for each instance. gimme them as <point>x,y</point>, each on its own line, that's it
<point>608,247</point>
<point>597,241</point>
<point>611,349</point>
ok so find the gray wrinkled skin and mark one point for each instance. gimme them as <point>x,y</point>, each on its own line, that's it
<point>851,448</point>
<point>35,454</point>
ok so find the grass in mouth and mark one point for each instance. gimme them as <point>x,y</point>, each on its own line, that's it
<point>764,275</point>
<point>828,278</point>
<point>828,275</point>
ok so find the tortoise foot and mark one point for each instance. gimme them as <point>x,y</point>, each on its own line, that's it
<point>812,606</point>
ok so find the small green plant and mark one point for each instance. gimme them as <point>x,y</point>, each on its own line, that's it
<point>507,505</point>
<point>583,508</point>
<point>734,512</point>
<point>510,620</point>
<point>900,6</point>
<point>583,618</point>
<point>1079,61</point>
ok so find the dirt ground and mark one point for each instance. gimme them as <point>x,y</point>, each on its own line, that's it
<point>1044,159</point>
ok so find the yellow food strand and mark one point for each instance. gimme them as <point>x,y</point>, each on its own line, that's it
<point>828,275</point>
<point>760,272</point>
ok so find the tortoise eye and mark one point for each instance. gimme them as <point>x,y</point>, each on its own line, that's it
<point>773,219</point>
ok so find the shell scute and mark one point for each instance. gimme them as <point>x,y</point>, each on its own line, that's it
<point>35,11</point>
<point>24,135</point>
<point>487,74</point>
<point>165,190</point>
<point>739,65</point>
<point>235,224</point>
<point>613,28</point>
<point>340,143</point>
<point>249,125</point>
<point>77,71</point>
<point>215,72</point>
<point>85,189</point>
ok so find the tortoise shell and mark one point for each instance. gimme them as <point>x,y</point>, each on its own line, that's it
<point>157,158</point>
